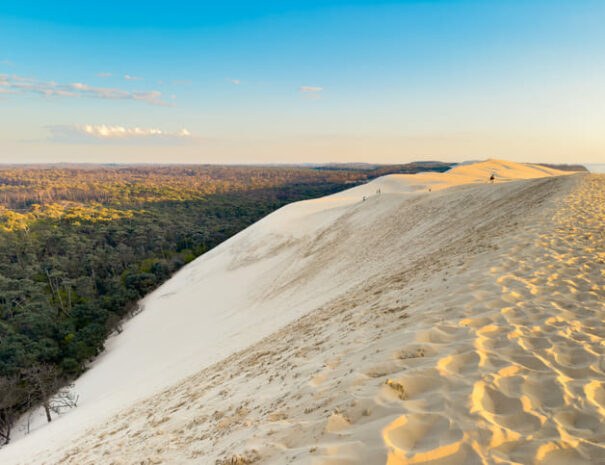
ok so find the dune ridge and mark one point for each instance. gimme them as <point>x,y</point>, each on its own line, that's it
<point>471,333</point>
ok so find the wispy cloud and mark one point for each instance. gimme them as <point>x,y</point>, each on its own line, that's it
<point>311,92</point>
<point>107,134</point>
<point>22,79</point>
<point>234,81</point>
<point>22,85</point>
<point>104,74</point>
<point>6,62</point>
<point>310,89</point>
<point>132,78</point>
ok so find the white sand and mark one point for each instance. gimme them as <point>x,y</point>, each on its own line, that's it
<point>460,326</point>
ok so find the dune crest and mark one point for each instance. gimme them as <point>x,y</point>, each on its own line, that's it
<point>456,326</point>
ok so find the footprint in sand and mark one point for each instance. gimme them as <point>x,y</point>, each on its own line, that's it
<point>420,390</point>
<point>503,411</point>
<point>427,439</point>
<point>459,363</point>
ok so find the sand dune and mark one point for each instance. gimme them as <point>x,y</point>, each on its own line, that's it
<point>464,325</point>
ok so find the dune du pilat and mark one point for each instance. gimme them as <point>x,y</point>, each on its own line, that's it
<point>430,318</point>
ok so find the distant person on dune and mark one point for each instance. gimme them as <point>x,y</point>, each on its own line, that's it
<point>492,178</point>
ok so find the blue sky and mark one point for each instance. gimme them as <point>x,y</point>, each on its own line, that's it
<point>254,82</point>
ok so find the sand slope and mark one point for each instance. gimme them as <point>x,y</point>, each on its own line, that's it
<point>459,326</point>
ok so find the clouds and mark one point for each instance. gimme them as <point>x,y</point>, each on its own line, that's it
<point>310,89</point>
<point>20,85</point>
<point>119,135</point>
<point>311,92</point>
<point>11,84</point>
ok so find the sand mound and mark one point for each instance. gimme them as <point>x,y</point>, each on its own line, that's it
<point>460,326</point>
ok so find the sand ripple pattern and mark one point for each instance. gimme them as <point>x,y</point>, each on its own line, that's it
<point>528,385</point>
